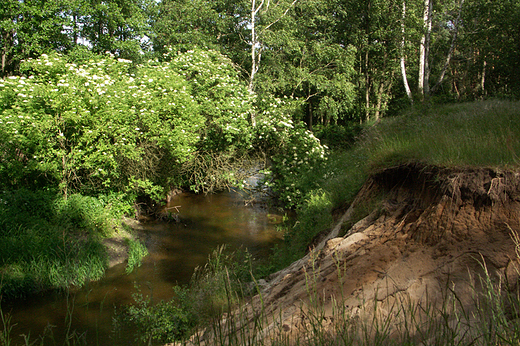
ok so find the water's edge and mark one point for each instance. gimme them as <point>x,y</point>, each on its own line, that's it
<point>176,248</point>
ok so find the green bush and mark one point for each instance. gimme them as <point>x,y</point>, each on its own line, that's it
<point>105,125</point>
<point>338,136</point>
<point>83,213</point>
<point>158,323</point>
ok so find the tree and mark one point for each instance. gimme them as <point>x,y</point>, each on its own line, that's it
<point>262,12</point>
<point>29,28</point>
<point>185,24</point>
<point>403,55</point>
<point>487,59</point>
<point>369,27</point>
<point>424,51</point>
<point>117,26</point>
<point>303,59</point>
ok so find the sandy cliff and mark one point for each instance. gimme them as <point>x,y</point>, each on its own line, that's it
<point>431,235</point>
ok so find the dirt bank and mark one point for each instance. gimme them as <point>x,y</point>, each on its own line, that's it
<point>432,233</point>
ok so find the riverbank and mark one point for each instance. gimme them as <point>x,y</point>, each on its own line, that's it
<point>392,191</point>
<point>424,252</point>
<point>434,262</point>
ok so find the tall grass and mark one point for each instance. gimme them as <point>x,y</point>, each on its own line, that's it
<point>485,133</point>
<point>215,288</point>
<point>47,242</point>
<point>215,311</point>
<point>136,251</point>
<point>490,317</point>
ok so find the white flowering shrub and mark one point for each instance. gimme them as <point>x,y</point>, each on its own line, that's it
<point>294,151</point>
<point>224,100</point>
<point>107,125</point>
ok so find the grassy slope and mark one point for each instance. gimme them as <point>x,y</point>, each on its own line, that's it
<point>471,134</point>
<point>484,133</point>
<point>479,134</point>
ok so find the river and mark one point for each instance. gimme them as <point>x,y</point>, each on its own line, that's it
<point>206,221</point>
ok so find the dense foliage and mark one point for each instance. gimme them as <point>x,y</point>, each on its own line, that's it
<point>106,102</point>
<point>348,60</point>
<point>106,125</point>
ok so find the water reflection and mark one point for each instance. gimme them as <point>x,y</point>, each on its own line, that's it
<point>175,250</point>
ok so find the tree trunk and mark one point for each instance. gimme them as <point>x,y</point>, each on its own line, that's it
<point>403,60</point>
<point>7,44</point>
<point>310,116</point>
<point>384,87</point>
<point>367,88</point>
<point>424,51</point>
<point>254,42</point>
<point>75,29</point>
<point>379,102</point>
<point>483,78</point>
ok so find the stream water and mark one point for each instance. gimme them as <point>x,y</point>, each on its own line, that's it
<point>175,250</point>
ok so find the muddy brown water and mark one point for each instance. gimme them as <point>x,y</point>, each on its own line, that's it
<point>175,250</point>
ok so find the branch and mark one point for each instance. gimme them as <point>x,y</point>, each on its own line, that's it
<point>279,18</point>
<point>310,73</point>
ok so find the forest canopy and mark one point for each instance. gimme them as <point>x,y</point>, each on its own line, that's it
<point>139,96</point>
<point>347,60</point>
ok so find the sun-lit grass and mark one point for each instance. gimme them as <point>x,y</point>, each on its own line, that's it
<point>489,317</point>
<point>136,251</point>
<point>47,242</point>
<point>485,133</point>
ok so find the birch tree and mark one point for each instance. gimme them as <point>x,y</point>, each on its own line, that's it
<point>424,51</point>
<point>403,55</point>
<point>260,9</point>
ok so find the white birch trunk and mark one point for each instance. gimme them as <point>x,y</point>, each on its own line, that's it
<point>403,60</point>
<point>424,50</point>
<point>254,42</point>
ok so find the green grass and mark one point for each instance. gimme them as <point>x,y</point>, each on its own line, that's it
<point>47,242</point>
<point>136,251</point>
<point>490,318</point>
<point>485,133</point>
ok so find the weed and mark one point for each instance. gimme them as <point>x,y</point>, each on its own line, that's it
<point>136,251</point>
